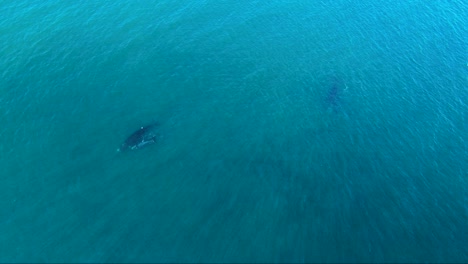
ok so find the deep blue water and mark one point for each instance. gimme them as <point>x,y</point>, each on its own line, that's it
<point>290,131</point>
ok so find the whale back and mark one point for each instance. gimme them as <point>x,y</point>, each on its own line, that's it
<point>144,136</point>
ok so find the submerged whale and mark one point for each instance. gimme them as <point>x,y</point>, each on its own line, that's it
<point>142,137</point>
<point>333,98</point>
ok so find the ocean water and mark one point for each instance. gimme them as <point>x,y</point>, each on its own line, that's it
<point>290,131</point>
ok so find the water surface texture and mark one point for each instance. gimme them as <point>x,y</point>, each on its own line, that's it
<point>288,131</point>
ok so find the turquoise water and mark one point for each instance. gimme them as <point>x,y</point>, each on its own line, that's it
<point>258,160</point>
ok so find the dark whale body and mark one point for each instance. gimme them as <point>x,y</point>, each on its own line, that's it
<point>333,98</point>
<point>142,137</point>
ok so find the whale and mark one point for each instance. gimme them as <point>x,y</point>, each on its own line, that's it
<point>333,99</point>
<point>144,136</point>
<point>333,96</point>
